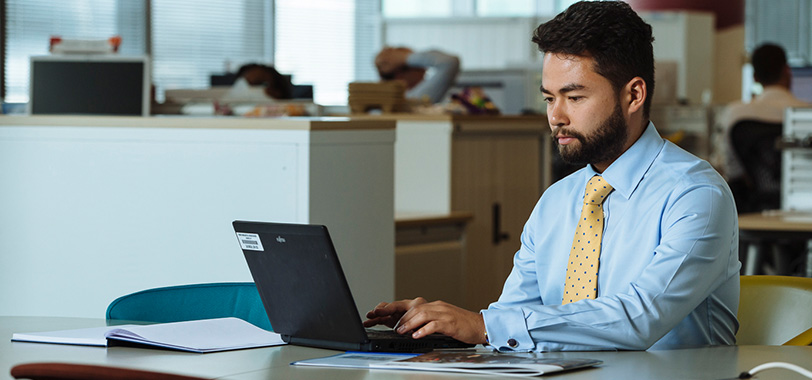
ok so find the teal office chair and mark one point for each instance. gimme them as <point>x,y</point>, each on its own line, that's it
<point>191,302</point>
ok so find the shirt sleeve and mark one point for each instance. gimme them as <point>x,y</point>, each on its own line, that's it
<point>691,260</point>
<point>444,70</point>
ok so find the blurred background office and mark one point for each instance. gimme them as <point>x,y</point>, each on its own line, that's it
<point>490,168</point>
<point>701,47</point>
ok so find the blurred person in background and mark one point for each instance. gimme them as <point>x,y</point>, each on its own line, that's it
<point>427,74</point>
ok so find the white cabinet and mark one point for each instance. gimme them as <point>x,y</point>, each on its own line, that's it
<point>92,208</point>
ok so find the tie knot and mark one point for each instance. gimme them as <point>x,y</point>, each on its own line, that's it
<point>596,190</point>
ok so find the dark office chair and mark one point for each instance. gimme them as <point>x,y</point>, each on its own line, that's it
<point>754,146</point>
<point>754,143</point>
<point>67,371</point>
<point>192,302</point>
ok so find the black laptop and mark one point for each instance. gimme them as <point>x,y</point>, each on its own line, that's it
<point>305,293</point>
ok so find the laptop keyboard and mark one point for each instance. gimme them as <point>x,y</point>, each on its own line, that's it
<point>386,334</point>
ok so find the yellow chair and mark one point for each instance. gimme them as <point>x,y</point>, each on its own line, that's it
<point>775,310</point>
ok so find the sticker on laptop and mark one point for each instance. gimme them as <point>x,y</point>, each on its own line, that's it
<point>250,242</point>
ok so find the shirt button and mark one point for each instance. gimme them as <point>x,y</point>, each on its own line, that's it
<point>512,343</point>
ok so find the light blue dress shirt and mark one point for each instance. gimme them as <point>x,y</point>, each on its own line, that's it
<point>669,265</point>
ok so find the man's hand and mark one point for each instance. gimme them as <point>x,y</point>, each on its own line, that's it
<point>422,319</point>
<point>389,314</point>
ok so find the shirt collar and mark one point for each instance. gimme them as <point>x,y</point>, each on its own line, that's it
<point>627,171</point>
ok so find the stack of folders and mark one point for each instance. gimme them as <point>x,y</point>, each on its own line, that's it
<point>201,336</point>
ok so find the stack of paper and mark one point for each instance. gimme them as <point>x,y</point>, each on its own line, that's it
<point>207,335</point>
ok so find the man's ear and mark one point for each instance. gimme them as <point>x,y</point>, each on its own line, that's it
<point>636,93</point>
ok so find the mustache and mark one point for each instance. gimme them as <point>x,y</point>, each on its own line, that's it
<point>566,132</point>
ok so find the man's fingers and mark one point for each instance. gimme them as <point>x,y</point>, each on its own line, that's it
<point>427,329</point>
<point>415,318</point>
<point>374,312</point>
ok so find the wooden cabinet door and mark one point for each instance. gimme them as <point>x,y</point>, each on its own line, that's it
<point>473,190</point>
<point>497,177</point>
<point>517,175</point>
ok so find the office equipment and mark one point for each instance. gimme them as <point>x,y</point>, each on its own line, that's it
<point>754,143</point>
<point>775,310</point>
<point>69,371</point>
<point>796,171</point>
<point>190,302</point>
<point>273,363</point>
<point>514,90</point>
<point>89,85</point>
<point>774,365</point>
<point>305,293</point>
<point>801,85</point>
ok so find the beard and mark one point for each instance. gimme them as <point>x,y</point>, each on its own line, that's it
<point>605,144</point>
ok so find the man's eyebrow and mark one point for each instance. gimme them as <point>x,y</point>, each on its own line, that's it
<point>567,88</point>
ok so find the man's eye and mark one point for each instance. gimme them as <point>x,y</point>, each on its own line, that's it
<point>548,99</point>
<point>575,98</point>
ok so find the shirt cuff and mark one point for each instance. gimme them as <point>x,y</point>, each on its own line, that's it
<point>507,330</point>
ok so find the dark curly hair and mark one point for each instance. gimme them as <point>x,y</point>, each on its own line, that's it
<point>283,88</point>
<point>611,33</point>
<point>768,62</point>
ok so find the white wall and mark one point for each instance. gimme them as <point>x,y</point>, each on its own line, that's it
<point>485,43</point>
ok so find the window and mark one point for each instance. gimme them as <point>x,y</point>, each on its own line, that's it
<point>30,24</point>
<point>327,43</point>
<point>193,39</point>
<point>417,8</point>
<point>506,8</point>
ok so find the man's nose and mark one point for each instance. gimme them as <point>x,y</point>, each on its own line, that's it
<point>557,115</point>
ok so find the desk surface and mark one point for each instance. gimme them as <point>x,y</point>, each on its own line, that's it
<point>273,362</point>
<point>776,220</point>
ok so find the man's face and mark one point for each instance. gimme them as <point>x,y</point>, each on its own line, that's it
<point>587,121</point>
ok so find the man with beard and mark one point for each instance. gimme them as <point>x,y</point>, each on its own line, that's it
<point>636,250</point>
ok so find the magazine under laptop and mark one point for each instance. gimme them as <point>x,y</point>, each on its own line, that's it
<point>307,298</point>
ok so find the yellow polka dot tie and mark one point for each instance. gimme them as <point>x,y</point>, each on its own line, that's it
<point>582,269</point>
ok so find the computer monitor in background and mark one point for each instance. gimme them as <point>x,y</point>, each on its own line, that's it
<point>802,83</point>
<point>89,85</point>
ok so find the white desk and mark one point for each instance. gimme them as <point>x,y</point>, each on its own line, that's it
<point>712,363</point>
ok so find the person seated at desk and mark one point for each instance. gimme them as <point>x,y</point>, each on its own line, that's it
<point>277,86</point>
<point>770,69</point>
<point>636,250</point>
<point>403,64</point>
